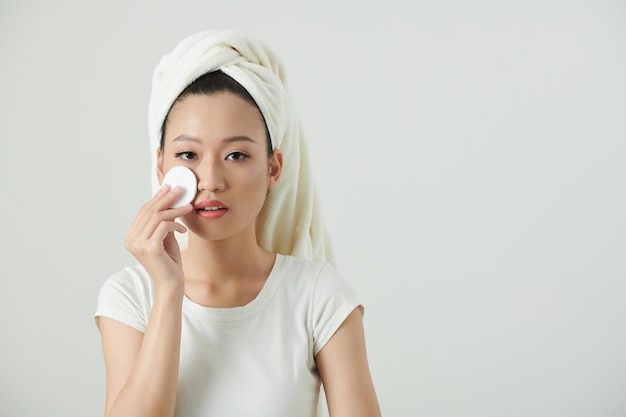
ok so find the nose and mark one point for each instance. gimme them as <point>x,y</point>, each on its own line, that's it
<point>210,177</point>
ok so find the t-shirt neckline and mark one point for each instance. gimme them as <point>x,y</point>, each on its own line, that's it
<point>241,312</point>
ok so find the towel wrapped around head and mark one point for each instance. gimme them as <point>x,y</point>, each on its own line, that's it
<point>290,221</point>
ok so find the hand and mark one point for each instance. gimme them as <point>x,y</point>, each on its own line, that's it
<point>151,237</point>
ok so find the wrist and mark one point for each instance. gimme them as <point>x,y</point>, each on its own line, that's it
<point>170,290</point>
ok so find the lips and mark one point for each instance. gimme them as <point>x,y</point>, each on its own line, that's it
<point>211,209</point>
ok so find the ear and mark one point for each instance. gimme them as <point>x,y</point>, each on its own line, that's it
<point>276,167</point>
<point>159,165</point>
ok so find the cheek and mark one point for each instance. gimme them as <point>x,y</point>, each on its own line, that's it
<point>167,163</point>
<point>256,183</point>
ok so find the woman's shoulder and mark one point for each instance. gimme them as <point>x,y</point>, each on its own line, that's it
<point>303,269</point>
<point>127,296</point>
<point>130,275</point>
<point>132,282</point>
<point>312,275</point>
<point>326,294</point>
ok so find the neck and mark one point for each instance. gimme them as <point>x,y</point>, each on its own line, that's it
<point>223,261</point>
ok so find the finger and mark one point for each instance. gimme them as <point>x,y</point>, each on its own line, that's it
<point>181,211</point>
<point>156,242</point>
<point>152,222</point>
<point>164,198</point>
<point>169,199</point>
<point>147,210</point>
<point>154,246</point>
<point>156,210</point>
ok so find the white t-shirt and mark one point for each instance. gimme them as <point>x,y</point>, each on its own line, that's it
<point>256,360</point>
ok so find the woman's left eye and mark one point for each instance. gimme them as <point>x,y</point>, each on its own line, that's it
<point>186,156</point>
<point>237,156</point>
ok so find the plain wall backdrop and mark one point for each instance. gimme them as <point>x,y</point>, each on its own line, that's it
<point>470,156</point>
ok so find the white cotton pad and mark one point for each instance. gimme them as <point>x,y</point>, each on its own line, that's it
<point>183,177</point>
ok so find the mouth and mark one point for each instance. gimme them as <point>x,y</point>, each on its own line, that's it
<point>211,209</point>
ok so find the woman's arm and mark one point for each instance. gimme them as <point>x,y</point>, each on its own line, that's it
<point>142,369</point>
<point>344,370</point>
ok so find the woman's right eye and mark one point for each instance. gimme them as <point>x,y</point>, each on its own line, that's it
<point>185,156</point>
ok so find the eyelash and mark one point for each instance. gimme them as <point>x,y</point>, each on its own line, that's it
<point>240,156</point>
<point>190,155</point>
<point>233,156</point>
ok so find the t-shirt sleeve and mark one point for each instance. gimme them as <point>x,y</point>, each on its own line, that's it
<point>127,298</point>
<point>333,300</point>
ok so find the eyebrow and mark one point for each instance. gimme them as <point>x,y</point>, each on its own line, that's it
<point>186,138</point>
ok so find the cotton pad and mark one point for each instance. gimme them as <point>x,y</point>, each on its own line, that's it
<point>183,177</point>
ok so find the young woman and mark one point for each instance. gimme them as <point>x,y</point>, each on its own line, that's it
<point>247,317</point>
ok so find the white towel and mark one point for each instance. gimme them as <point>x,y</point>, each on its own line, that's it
<point>290,222</point>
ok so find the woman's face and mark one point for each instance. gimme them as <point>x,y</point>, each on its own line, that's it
<point>221,138</point>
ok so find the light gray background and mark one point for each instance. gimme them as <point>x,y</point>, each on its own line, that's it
<point>470,158</point>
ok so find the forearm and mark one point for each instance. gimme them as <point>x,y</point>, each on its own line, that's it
<point>150,390</point>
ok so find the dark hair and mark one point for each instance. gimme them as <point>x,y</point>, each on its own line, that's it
<point>217,82</point>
